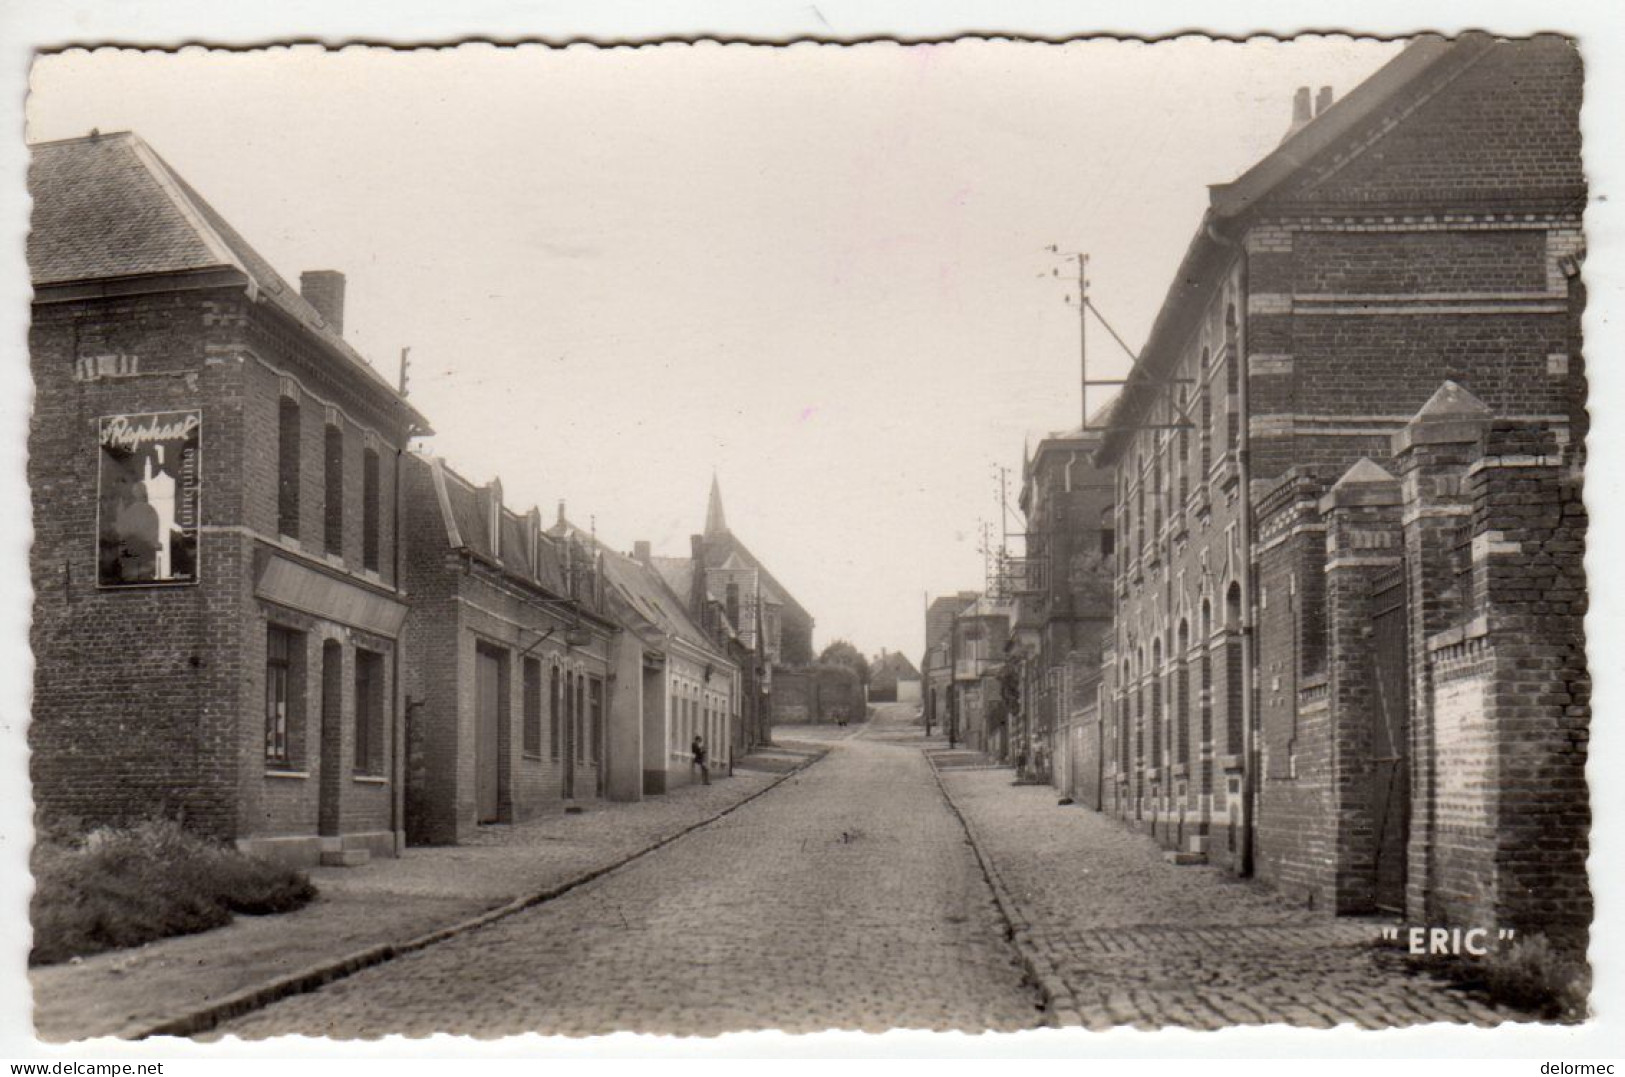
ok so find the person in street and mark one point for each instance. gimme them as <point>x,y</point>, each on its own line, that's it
<point>697,750</point>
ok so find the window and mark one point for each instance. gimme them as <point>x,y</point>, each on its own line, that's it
<point>581,719</point>
<point>369,712</point>
<point>333,532</point>
<point>287,468</point>
<point>284,702</point>
<point>595,695</point>
<point>553,715</point>
<point>369,510</point>
<point>533,707</point>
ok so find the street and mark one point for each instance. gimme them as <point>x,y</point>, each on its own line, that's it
<point>849,897</point>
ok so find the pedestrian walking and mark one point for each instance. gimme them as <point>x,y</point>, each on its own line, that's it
<point>697,750</point>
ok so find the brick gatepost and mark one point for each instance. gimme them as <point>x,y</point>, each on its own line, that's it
<point>1448,839</point>
<point>1363,540</point>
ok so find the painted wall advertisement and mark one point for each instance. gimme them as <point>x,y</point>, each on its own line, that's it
<point>148,484</point>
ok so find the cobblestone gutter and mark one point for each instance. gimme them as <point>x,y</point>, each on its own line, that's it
<point>1060,1008</point>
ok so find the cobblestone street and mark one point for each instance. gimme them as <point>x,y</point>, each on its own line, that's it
<point>1127,938</point>
<point>849,898</point>
<point>845,898</point>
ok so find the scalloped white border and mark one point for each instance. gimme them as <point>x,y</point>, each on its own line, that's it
<point>1601,33</point>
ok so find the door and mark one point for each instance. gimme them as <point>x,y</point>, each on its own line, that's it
<point>1390,738</point>
<point>487,734</point>
<point>334,773</point>
<point>569,736</point>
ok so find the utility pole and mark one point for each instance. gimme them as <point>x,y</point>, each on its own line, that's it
<point>404,353</point>
<point>1083,338</point>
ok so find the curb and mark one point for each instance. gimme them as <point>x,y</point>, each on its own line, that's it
<point>250,999</point>
<point>1060,1007</point>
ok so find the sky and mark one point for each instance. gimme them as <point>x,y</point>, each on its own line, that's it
<point>817,272</point>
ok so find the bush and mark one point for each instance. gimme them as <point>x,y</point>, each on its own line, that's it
<point>119,887</point>
<point>1531,975</point>
<point>1534,975</point>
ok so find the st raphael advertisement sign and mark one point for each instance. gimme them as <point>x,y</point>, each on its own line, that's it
<point>149,478</point>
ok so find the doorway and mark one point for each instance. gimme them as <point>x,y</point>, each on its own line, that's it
<point>490,706</point>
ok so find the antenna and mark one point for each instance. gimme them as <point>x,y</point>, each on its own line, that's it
<point>1085,307</point>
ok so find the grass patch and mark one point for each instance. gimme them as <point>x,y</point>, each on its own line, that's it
<point>1532,975</point>
<point>125,886</point>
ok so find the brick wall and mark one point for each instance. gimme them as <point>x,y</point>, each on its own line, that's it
<point>135,707</point>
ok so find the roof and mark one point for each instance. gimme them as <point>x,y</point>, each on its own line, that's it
<point>677,572</point>
<point>721,544</point>
<point>894,662</point>
<point>638,594</point>
<point>1211,247</point>
<point>720,548</point>
<point>108,207</point>
<point>468,527</point>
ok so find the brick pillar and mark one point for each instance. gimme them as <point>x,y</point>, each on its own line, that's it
<point>1529,528</point>
<point>1432,452</point>
<point>1363,540</point>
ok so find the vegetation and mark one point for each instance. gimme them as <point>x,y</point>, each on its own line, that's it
<point>842,653</point>
<point>119,887</point>
<point>1532,975</point>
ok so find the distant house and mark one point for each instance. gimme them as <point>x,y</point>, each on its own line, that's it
<point>893,679</point>
<point>215,562</point>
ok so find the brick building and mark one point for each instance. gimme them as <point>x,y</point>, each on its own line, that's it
<point>1062,588</point>
<point>509,654</point>
<point>1347,468</point>
<point>218,606</point>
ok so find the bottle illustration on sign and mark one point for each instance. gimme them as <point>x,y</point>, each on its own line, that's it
<point>161,494</point>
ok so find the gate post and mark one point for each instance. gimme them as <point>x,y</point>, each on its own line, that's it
<point>1363,541</point>
<point>1433,451</point>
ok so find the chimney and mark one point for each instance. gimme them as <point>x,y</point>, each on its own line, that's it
<point>324,290</point>
<point>640,552</point>
<point>1323,100</point>
<point>1300,112</point>
<point>699,588</point>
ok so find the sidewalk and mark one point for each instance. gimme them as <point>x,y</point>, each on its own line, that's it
<point>366,913</point>
<point>1117,935</point>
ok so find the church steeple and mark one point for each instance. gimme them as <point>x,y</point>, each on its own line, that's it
<point>715,522</point>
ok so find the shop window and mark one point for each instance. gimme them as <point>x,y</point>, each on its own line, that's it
<point>284,697</point>
<point>369,712</point>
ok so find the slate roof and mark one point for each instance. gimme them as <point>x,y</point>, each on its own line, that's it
<point>638,595</point>
<point>468,527</point>
<point>895,663</point>
<point>678,572</point>
<point>107,207</point>
<point>718,549</point>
